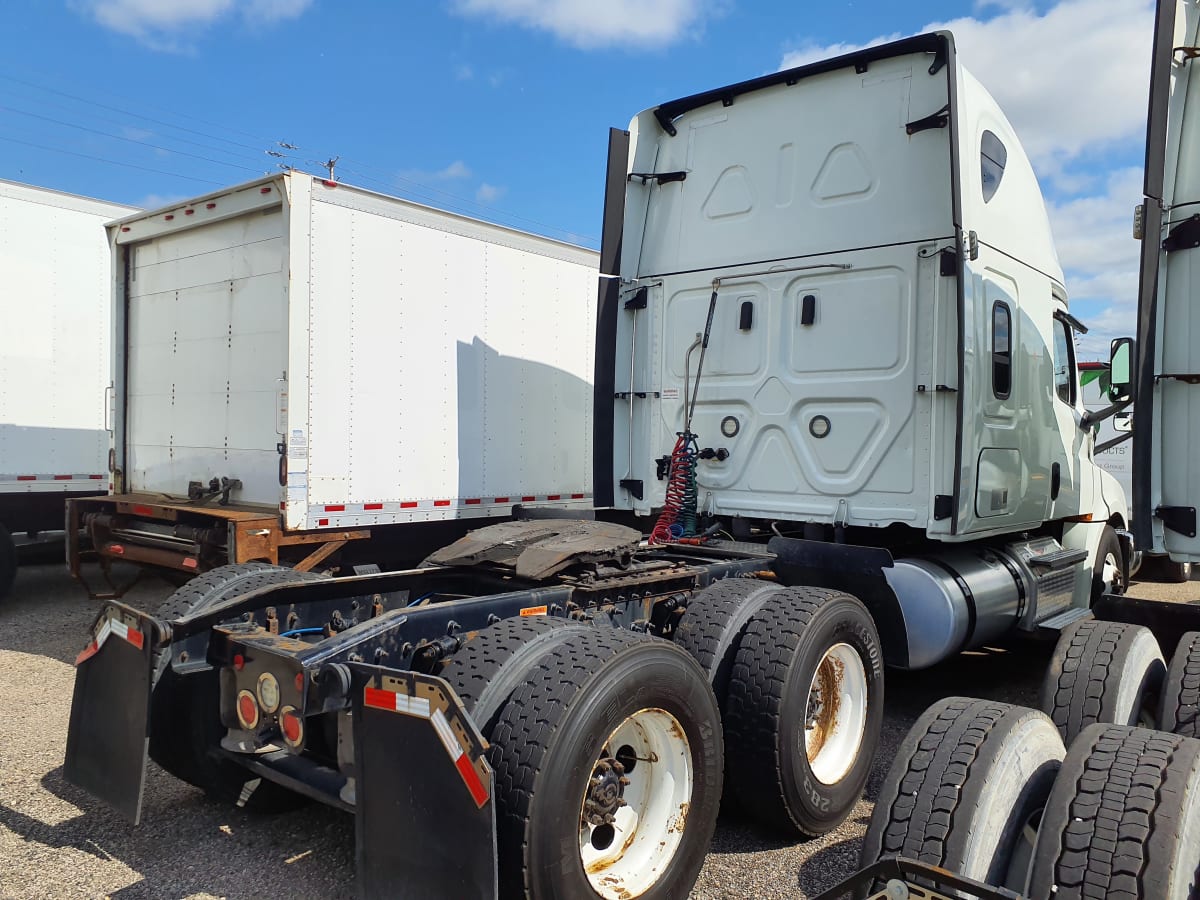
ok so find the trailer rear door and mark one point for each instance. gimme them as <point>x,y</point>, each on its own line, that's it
<point>206,293</point>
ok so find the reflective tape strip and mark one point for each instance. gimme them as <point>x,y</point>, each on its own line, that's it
<point>461,761</point>
<point>393,702</point>
<point>111,626</point>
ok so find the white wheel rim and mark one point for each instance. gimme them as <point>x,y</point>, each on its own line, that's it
<point>836,715</point>
<point>1110,574</point>
<point>626,857</point>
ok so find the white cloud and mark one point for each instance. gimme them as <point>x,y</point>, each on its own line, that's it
<point>456,171</point>
<point>489,193</point>
<point>587,23</point>
<point>162,24</point>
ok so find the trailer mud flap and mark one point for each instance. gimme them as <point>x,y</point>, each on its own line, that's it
<point>108,736</point>
<point>425,815</point>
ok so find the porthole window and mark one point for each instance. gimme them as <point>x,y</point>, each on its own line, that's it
<point>992,157</point>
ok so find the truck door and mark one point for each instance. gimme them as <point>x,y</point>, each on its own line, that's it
<point>1066,463</point>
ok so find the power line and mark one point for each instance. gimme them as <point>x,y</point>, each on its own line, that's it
<point>118,137</point>
<point>112,162</point>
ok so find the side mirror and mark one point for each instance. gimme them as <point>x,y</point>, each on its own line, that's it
<point>1120,369</point>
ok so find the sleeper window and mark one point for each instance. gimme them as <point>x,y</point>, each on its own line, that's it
<point>1001,350</point>
<point>992,157</point>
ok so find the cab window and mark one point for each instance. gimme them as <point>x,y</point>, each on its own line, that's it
<point>1064,363</point>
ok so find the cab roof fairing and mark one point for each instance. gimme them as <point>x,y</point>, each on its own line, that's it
<point>1013,221</point>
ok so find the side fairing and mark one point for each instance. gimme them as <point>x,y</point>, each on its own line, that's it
<point>1166,477</point>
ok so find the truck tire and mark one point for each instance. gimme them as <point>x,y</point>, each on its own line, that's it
<point>1101,672</point>
<point>1180,711</point>
<point>185,721</point>
<point>607,723</point>
<point>804,710</point>
<point>8,562</point>
<point>1176,572</point>
<point>1108,572</point>
<point>494,662</point>
<point>1123,819</point>
<point>716,618</point>
<point>966,789</point>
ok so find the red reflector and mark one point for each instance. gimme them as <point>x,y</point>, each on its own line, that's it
<point>378,699</point>
<point>335,507</point>
<point>528,499</point>
<point>299,682</point>
<point>372,506</point>
<point>441,502</point>
<point>116,549</point>
<point>247,708</point>
<point>124,228</point>
<point>63,477</point>
<point>189,212</point>
<point>26,478</point>
<point>168,218</point>
<point>289,724</point>
<point>96,477</point>
<point>577,496</point>
<point>471,778</point>
<point>189,563</point>
<point>322,522</point>
<point>265,190</point>
<point>328,183</point>
<point>501,500</point>
<point>554,497</point>
<point>474,501</point>
<point>140,510</point>
<point>239,662</point>
<point>409,504</point>
<point>210,206</point>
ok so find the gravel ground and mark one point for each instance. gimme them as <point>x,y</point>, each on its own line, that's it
<point>56,842</point>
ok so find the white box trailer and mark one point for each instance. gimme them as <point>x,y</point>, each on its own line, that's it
<point>299,361</point>
<point>54,357</point>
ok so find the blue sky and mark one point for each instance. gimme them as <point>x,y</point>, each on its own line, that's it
<point>500,108</point>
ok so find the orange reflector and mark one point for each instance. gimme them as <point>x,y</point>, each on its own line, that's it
<point>247,710</point>
<point>300,682</point>
<point>291,726</point>
<point>239,662</point>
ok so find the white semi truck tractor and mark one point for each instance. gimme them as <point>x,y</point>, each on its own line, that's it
<point>1097,793</point>
<point>834,363</point>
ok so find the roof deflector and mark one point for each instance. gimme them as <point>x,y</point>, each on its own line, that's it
<point>936,43</point>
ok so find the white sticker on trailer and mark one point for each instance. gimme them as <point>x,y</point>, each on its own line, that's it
<point>298,444</point>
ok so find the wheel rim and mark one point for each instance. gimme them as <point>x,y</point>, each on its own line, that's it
<point>635,805</point>
<point>836,716</point>
<point>1110,574</point>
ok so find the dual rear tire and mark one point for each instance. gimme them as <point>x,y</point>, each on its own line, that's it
<point>607,757</point>
<point>986,790</point>
<point>798,672</point>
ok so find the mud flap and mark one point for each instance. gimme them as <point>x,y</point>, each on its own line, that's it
<point>108,736</point>
<point>425,812</point>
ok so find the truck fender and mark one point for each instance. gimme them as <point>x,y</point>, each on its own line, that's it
<point>856,570</point>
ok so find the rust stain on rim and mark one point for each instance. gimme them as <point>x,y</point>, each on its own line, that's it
<point>829,678</point>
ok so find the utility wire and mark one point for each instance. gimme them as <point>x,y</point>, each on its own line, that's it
<point>113,162</point>
<point>118,137</point>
